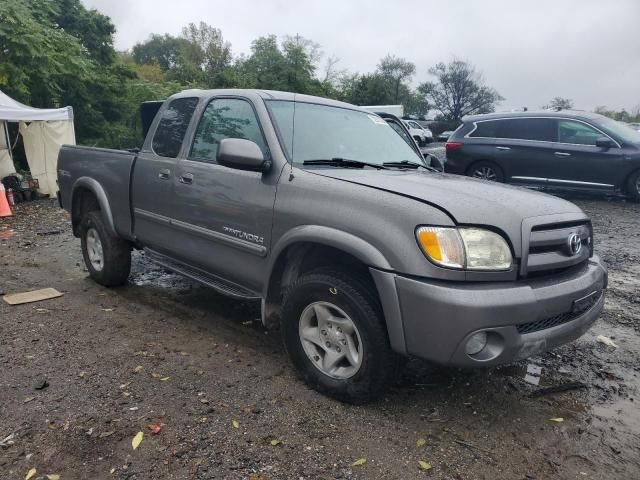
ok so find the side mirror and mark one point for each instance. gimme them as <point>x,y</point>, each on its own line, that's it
<point>242,154</point>
<point>604,142</point>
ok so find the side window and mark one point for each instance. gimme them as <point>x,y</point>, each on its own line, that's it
<point>225,118</point>
<point>579,133</point>
<point>539,129</point>
<point>173,125</point>
<point>486,129</point>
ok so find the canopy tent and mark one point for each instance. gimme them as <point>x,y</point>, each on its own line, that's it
<point>43,131</point>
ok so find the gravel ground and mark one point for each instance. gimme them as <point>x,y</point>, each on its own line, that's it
<point>163,352</point>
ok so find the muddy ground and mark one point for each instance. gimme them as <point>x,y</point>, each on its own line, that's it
<point>166,352</point>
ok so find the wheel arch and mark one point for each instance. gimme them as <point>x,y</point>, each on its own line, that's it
<point>88,195</point>
<point>309,247</point>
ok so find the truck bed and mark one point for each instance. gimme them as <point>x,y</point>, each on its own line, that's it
<point>105,169</point>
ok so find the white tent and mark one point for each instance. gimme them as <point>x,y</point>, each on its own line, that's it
<point>43,131</point>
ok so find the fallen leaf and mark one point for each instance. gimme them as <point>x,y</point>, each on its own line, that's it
<point>360,461</point>
<point>137,440</point>
<point>107,309</point>
<point>154,428</point>
<point>557,419</point>
<point>606,341</point>
<point>53,476</point>
<point>421,442</point>
<point>422,465</point>
<point>106,434</point>
<point>164,379</point>
<point>248,322</point>
<point>204,400</point>
<point>156,375</point>
<point>125,385</point>
<point>236,424</point>
<point>82,374</point>
<point>112,470</point>
<point>30,474</point>
<point>138,369</point>
<point>28,399</point>
<point>125,394</point>
<point>274,442</point>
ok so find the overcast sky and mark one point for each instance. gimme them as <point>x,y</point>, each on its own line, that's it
<point>530,51</point>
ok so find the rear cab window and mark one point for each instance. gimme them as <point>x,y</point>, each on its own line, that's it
<point>168,137</point>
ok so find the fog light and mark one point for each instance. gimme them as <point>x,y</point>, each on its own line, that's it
<point>476,343</point>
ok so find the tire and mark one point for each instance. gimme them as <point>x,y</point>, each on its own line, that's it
<point>633,186</point>
<point>487,171</point>
<point>341,295</point>
<point>98,243</point>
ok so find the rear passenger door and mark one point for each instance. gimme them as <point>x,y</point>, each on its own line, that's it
<point>153,175</point>
<point>524,148</point>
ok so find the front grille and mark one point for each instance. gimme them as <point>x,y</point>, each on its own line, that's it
<point>549,251</point>
<point>560,318</point>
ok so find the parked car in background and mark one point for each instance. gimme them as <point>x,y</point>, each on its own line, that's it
<point>635,126</point>
<point>444,136</point>
<point>421,134</point>
<point>567,149</point>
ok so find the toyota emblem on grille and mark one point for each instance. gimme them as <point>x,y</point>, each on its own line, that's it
<point>574,243</point>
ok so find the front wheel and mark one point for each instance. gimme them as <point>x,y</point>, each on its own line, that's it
<point>107,257</point>
<point>633,186</point>
<point>335,335</point>
<point>486,171</point>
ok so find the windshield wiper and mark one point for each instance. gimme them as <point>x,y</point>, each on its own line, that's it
<point>343,162</point>
<point>408,164</point>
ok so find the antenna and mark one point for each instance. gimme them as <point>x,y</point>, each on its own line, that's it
<point>293,137</point>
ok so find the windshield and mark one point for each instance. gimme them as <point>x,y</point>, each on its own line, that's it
<point>621,130</point>
<point>321,132</point>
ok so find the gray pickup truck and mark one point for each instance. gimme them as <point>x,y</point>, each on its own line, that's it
<point>359,252</point>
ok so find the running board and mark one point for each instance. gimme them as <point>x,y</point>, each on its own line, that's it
<point>216,283</point>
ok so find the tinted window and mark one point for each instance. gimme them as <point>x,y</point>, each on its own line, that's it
<point>541,129</point>
<point>173,125</point>
<point>488,129</point>
<point>579,133</point>
<point>225,118</point>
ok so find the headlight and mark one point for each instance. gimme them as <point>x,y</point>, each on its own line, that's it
<point>465,248</point>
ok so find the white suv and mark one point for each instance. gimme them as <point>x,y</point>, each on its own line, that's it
<point>421,134</point>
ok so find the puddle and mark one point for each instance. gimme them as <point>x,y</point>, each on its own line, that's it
<point>147,274</point>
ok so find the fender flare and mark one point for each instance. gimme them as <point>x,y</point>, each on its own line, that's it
<point>331,237</point>
<point>94,186</point>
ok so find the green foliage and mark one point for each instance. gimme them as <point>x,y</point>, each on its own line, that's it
<point>58,52</point>
<point>622,115</point>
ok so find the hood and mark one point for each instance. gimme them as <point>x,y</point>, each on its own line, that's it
<point>466,200</point>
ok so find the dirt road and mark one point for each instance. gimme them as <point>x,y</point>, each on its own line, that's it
<point>165,352</point>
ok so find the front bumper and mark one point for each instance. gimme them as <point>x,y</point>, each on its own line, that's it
<point>439,317</point>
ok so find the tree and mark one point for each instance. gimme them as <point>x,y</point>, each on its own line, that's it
<point>459,90</point>
<point>397,70</point>
<point>559,103</point>
<point>163,50</point>
<point>206,53</point>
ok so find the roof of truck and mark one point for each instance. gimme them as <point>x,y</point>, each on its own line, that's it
<point>266,95</point>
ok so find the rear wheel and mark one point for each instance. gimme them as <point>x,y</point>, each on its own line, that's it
<point>633,186</point>
<point>486,171</point>
<point>336,337</point>
<point>107,257</point>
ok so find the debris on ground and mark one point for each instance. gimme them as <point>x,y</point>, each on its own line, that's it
<point>606,341</point>
<point>32,296</point>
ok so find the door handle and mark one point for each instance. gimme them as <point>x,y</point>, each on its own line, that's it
<point>562,154</point>
<point>503,148</point>
<point>164,173</point>
<point>187,178</point>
